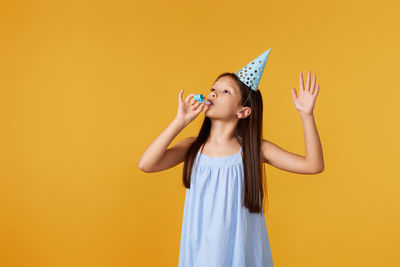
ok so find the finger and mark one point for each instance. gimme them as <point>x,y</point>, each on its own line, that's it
<point>195,106</point>
<point>294,95</point>
<point>312,85</point>
<point>200,108</point>
<point>188,97</point>
<point>308,81</point>
<point>316,91</point>
<point>180,96</point>
<point>301,82</point>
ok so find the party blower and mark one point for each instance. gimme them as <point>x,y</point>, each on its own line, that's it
<point>201,99</point>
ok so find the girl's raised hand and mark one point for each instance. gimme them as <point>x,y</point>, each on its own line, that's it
<point>306,100</point>
<point>188,109</point>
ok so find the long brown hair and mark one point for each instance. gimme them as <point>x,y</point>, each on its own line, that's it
<point>249,134</point>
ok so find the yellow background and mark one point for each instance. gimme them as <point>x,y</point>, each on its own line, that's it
<point>86,86</point>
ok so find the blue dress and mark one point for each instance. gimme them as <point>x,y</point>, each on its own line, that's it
<point>216,230</point>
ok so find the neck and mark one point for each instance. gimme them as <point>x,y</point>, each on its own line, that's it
<point>222,133</point>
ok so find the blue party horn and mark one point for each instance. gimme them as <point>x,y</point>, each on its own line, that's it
<point>201,99</point>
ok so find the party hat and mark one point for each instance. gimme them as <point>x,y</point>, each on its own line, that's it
<point>252,72</point>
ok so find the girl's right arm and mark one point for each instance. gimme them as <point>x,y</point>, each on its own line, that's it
<point>157,157</point>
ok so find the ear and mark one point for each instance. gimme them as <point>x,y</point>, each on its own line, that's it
<point>244,113</point>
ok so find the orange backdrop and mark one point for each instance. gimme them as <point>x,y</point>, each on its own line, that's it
<point>86,86</point>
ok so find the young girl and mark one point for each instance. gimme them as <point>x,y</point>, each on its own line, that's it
<point>223,221</point>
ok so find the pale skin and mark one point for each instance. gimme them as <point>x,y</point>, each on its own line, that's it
<point>225,114</point>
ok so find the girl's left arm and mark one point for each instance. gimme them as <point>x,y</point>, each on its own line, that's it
<point>313,161</point>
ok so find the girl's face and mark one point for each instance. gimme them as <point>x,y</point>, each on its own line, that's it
<point>226,98</point>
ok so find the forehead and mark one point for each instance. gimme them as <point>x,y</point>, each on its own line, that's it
<point>227,82</point>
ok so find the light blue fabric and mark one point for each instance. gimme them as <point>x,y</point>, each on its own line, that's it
<point>216,230</point>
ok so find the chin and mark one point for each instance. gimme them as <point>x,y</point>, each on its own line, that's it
<point>208,114</point>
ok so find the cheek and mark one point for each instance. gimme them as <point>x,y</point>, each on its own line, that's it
<point>232,105</point>
<point>228,109</point>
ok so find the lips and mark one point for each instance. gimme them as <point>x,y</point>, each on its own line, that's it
<point>210,101</point>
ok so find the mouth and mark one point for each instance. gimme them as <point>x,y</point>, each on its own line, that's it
<point>210,102</point>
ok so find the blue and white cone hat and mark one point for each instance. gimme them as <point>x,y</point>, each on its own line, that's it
<point>252,72</point>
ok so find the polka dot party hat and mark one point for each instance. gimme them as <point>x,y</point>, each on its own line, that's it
<point>252,72</point>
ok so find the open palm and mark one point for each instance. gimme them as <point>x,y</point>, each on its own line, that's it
<point>305,102</point>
